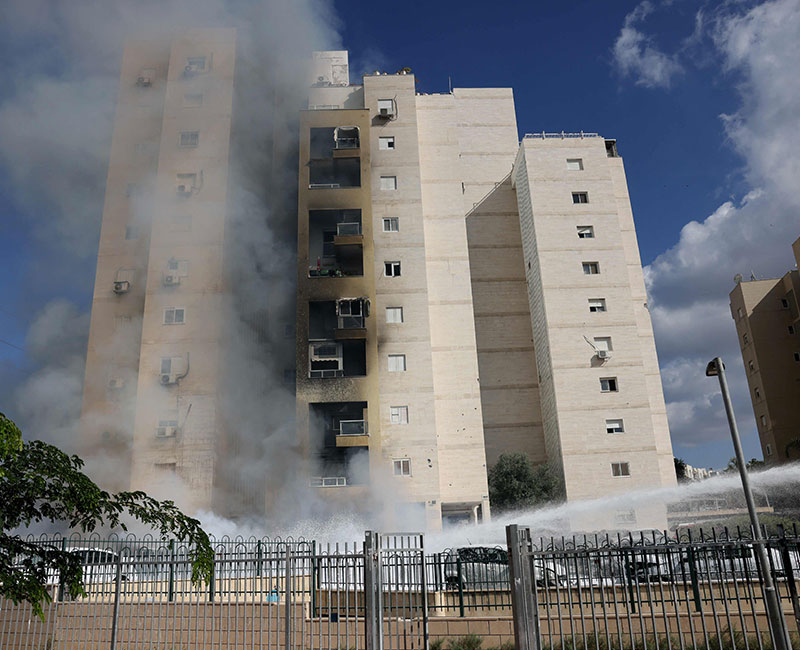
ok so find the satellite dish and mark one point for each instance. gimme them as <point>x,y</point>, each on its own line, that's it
<point>737,278</point>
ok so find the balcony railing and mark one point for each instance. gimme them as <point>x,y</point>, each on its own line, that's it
<point>328,481</point>
<point>347,143</point>
<point>348,228</point>
<point>351,322</point>
<point>352,428</point>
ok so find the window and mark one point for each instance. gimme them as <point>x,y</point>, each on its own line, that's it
<point>391,224</point>
<point>585,232</point>
<point>394,314</point>
<point>386,143</point>
<point>623,517</point>
<point>763,419</point>
<point>757,392</point>
<point>745,338</point>
<point>391,269</point>
<point>608,385</point>
<point>580,197</point>
<point>575,164</point>
<point>620,469</point>
<point>388,182</point>
<point>797,356</point>
<point>186,184</point>
<point>769,449</point>
<point>402,466</point>
<point>752,366</point>
<point>398,414</point>
<point>591,268</point>
<point>597,304</point>
<point>195,64</point>
<point>784,303</point>
<point>397,363</point>
<point>603,343</point>
<point>739,312</point>
<point>193,99</point>
<point>614,426</point>
<point>189,138</point>
<point>166,468</point>
<point>791,329</point>
<point>174,316</point>
<point>131,232</point>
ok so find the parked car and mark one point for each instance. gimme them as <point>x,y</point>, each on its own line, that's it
<point>486,567</point>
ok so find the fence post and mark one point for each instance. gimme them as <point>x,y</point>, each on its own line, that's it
<point>788,571</point>
<point>287,600</point>
<point>115,611</point>
<point>171,594</point>
<point>424,586</point>
<point>698,605</point>
<point>523,590</point>
<point>373,614</point>
<point>60,595</point>
<point>259,558</point>
<point>460,587</point>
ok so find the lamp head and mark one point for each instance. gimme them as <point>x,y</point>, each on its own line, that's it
<point>712,369</point>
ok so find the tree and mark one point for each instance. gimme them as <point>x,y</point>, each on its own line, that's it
<point>752,465</point>
<point>514,483</point>
<point>39,482</point>
<point>680,470</point>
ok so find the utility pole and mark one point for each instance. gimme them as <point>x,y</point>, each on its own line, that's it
<point>777,623</point>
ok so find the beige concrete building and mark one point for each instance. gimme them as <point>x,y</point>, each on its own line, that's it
<point>767,317</point>
<point>459,295</point>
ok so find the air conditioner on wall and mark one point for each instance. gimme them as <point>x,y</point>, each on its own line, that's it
<point>168,378</point>
<point>144,81</point>
<point>166,432</point>
<point>122,286</point>
<point>171,279</point>
<point>603,354</point>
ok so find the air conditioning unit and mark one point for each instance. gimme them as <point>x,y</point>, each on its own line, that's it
<point>189,70</point>
<point>166,432</point>
<point>144,81</point>
<point>122,286</point>
<point>169,378</point>
<point>603,354</point>
<point>116,384</point>
<point>386,112</point>
<point>172,279</point>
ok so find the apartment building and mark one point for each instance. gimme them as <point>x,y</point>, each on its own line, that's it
<point>767,317</point>
<point>459,295</point>
<point>462,295</point>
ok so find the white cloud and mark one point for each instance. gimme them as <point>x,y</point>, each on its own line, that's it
<point>636,55</point>
<point>689,283</point>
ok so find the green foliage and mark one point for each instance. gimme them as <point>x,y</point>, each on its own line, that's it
<point>39,482</point>
<point>514,483</point>
<point>680,470</point>
<point>752,465</point>
<point>468,642</point>
<point>437,644</point>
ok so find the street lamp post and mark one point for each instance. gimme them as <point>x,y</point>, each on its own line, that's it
<point>777,623</point>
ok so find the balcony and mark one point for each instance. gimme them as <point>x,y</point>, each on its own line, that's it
<point>339,320</point>
<point>329,359</point>
<point>334,158</point>
<point>335,243</point>
<point>339,442</point>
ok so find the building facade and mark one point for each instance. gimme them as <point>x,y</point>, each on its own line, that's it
<point>767,317</point>
<point>459,295</point>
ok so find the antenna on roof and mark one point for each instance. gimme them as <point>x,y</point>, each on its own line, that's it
<point>753,275</point>
<point>450,84</point>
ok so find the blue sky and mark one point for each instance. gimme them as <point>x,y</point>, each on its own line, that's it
<point>701,96</point>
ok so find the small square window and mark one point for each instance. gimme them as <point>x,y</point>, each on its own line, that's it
<point>791,329</point>
<point>394,314</point>
<point>397,363</point>
<point>784,303</point>
<point>391,269</point>
<point>739,312</point>
<point>585,232</point>
<point>398,414</point>
<point>763,419</point>
<point>174,316</point>
<point>580,197</point>
<point>193,99</point>
<point>615,426</point>
<point>189,138</point>
<point>386,142</point>
<point>195,64</point>
<point>620,469</point>
<point>751,366</point>
<point>608,385</point>
<point>769,449</point>
<point>597,304</point>
<point>575,164</point>
<point>402,466</point>
<point>745,338</point>
<point>388,182</point>
<point>757,392</point>
<point>391,224</point>
<point>797,356</point>
<point>131,232</point>
<point>591,268</point>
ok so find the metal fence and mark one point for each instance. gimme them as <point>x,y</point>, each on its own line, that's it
<point>649,591</point>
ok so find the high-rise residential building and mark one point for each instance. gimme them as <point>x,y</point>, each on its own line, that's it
<point>767,317</point>
<point>459,295</point>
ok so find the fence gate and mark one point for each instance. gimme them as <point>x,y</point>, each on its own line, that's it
<point>641,592</point>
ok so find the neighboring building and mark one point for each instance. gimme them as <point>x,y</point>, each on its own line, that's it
<point>699,473</point>
<point>459,295</point>
<point>767,317</point>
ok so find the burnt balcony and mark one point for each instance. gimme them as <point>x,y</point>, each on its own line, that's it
<point>343,319</point>
<point>334,158</point>
<point>335,243</point>
<point>339,442</point>
<point>330,359</point>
